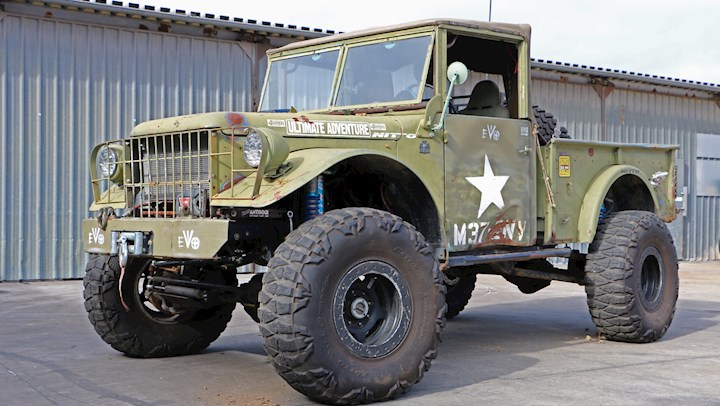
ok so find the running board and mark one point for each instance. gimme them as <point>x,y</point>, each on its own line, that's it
<point>468,260</point>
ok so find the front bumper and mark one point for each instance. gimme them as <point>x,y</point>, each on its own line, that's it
<point>172,238</point>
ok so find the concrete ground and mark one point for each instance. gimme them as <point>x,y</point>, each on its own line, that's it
<point>505,348</point>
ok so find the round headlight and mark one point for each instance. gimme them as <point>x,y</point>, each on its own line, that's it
<point>107,162</point>
<point>252,149</point>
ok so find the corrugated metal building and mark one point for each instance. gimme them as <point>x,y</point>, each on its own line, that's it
<point>73,73</point>
<point>610,105</point>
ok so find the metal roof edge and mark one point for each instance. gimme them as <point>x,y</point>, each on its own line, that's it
<point>190,17</point>
<point>521,30</point>
<point>250,25</point>
<point>587,70</point>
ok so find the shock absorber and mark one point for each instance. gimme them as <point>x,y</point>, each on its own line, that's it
<point>313,200</point>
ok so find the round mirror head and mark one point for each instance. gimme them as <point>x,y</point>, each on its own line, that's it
<point>457,73</point>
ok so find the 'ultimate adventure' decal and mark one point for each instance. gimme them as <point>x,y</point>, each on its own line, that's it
<point>345,129</point>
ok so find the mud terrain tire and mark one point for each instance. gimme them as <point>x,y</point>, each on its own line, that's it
<point>547,126</point>
<point>138,331</point>
<point>632,277</point>
<point>459,292</point>
<point>352,307</point>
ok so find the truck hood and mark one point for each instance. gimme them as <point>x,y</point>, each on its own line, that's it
<point>183,123</point>
<point>292,124</point>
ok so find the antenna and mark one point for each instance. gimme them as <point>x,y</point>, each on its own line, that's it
<point>490,12</point>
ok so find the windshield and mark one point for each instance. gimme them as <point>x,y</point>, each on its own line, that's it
<point>390,71</point>
<point>386,72</point>
<point>303,82</point>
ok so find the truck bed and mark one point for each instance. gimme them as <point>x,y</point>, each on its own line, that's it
<point>575,177</point>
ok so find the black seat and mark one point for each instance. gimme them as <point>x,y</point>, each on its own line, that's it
<point>485,101</point>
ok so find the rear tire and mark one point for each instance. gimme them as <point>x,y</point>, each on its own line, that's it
<point>352,307</point>
<point>631,277</point>
<point>250,296</point>
<point>459,292</point>
<point>140,330</point>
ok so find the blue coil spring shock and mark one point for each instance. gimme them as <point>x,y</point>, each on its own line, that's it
<point>313,200</point>
<point>603,213</point>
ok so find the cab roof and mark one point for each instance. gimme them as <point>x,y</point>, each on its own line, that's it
<point>522,30</point>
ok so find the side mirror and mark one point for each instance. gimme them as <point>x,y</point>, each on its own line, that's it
<point>457,74</point>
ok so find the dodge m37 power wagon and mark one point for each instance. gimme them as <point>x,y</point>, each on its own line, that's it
<point>382,171</point>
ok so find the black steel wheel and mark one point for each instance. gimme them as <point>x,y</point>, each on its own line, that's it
<point>371,309</point>
<point>352,307</point>
<point>651,278</point>
<point>631,277</point>
<point>141,324</point>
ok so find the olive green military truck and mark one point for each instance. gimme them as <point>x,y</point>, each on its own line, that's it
<point>383,170</point>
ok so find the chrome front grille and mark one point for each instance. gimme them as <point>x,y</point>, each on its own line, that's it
<point>171,174</point>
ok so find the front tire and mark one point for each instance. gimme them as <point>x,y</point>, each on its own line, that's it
<point>137,328</point>
<point>352,307</point>
<point>632,277</point>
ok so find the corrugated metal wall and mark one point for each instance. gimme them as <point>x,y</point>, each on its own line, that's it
<point>576,106</point>
<point>643,116</point>
<point>65,87</point>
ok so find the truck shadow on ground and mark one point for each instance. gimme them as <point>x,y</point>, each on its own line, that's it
<point>496,341</point>
<point>490,342</point>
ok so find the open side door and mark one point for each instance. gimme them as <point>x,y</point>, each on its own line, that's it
<point>489,182</point>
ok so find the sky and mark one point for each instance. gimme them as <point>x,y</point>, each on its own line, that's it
<point>675,39</point>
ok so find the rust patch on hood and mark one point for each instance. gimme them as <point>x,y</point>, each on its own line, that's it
<point>236,119</point>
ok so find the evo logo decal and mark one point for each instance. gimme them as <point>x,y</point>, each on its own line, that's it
<point>491,131</point>
<point>188,240</point>
<point>96,237</point>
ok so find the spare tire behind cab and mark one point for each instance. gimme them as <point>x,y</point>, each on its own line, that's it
<point>547,126</point>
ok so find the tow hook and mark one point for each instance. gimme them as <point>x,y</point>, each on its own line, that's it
<point>123,259</point>
<point>103,217</point>
<point>120,289</point>
<point>123,251</point>
<point>125,243</point>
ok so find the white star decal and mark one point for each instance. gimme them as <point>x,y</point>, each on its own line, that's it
<point>490,186</point>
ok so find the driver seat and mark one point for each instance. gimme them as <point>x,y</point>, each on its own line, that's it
<point>485,101</point>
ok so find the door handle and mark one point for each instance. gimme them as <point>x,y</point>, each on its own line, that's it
<point>525,150</point>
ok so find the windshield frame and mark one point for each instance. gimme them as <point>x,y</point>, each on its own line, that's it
<point>300,55</point>
<point>347,45</point>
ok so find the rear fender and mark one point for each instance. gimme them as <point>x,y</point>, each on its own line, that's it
<point>615,175</point>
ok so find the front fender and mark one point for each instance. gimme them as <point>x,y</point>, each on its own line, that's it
<point>306,165</point>
<point>593,200</point>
